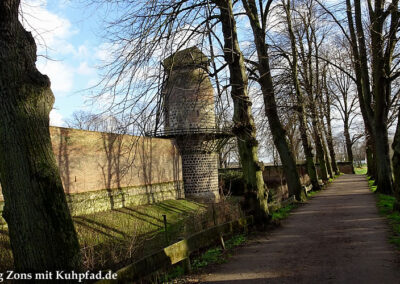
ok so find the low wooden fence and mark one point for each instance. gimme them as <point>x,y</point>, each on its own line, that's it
<point>179,251</point>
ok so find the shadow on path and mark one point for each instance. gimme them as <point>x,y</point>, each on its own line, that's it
<point>338,237</point>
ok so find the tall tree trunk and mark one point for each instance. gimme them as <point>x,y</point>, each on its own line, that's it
<point>381,92</point>
<point>371,163</point>
<point>384,170</point>
<point>308,76</point>
<point>396,164</point>
<point>318,143</point>
<point>324,146</point>
<point>331,148</point>
<point>349,145</point>
<point>326,111</point>
<point>375,114</point>
<point>256,194</point>
<point>311,171</point>
<point>360,66</point>
<point>271,111</point>
<point>41,231</point>
<point>316,89</point>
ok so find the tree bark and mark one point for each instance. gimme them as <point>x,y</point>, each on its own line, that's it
<point>318,144</point>
<point>256,194</point>
<point>349,144</point>
<point>371,163</point>
<point>381,92</point>
<point>332,153</point>
<point>41,231</point>
<point>324,146</point>
<point>271,111</point>
<point>384,170</point>
<point>396,164</point>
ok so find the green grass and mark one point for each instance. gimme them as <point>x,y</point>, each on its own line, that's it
<point>235,241</point>
<point>121,224</point>
<point>211,256</point>
<point>109,237</point>
<point>371,185</point>
<point>214,255</point>
<point>312,193</point>
<point>283,212</point>
<point>385,205</point>
<point>361,170</point>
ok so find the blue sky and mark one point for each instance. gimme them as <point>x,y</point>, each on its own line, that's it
<point>69,34</point>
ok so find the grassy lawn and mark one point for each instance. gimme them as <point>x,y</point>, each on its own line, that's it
<point>120,223</point>
<point>283,212</point>
<point>385,206</point>
<point>361,170</point>
<point>114,238</point>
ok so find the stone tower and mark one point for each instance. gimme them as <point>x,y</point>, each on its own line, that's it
<point>189,117</point>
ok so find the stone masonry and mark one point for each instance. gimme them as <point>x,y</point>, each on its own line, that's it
<point>190,118</point>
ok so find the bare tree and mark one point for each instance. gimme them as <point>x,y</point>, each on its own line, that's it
<point>325,105</point>
<point>373,37</point>
<point>257,16</point>
<point>148,32</point>
<point>306,35</point>
<point>301,109</point>
<point>345,98</point>
<point>244,126</point>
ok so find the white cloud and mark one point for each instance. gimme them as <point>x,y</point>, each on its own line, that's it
<point>48,29</point>
<point>61,75</point>
<point>82,51</point>
<point>105,51</point>
<point>84,69</point>
<point>56,118</point>
<point>92,82</point>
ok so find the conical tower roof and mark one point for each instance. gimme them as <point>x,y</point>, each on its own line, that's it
<point>191,56</point>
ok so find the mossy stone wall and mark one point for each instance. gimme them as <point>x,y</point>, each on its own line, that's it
<point>102,200</point>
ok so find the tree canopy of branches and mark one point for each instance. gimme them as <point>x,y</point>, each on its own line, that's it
<point>373,38</point>
<point>257,60</point>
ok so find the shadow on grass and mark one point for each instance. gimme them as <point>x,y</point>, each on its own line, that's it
<point>136,213</point>
<point>84,221</point>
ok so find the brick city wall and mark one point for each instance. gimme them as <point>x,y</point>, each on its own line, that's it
<point>115,170</point>
<point>275,179</point>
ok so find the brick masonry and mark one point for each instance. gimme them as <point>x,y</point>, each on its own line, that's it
<point>106,167</point>
<point>200,175</point>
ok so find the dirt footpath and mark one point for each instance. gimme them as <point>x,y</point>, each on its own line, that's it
<point>338,237</point>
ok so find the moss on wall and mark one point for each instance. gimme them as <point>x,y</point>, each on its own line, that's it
<point>102,200</point>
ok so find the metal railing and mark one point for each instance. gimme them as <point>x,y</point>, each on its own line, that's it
<point>168,133</point>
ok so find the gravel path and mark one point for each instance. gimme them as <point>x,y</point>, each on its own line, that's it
<point>338,237</point>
